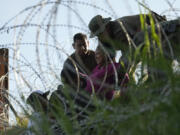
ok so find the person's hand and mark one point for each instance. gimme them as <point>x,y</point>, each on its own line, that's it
<point>116,94</point>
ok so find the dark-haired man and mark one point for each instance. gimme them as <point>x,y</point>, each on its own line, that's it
<point>82,58</point>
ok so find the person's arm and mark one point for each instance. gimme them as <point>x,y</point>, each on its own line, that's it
<point>68,73</point>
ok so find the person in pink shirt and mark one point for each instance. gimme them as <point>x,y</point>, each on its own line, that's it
<point>102,79</point>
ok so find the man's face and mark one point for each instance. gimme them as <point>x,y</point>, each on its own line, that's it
<point>104,36</point>
<point>81,46</point>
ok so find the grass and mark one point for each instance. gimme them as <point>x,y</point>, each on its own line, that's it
<point>149,108</point>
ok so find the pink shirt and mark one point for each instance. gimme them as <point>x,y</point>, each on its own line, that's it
<point>97,77</point>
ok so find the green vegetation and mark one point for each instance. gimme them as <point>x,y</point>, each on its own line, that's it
<point>147,108</point>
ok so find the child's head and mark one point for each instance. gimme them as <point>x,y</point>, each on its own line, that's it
<point>100,55</point>
<point>102,52</point>
<point>38,100</point>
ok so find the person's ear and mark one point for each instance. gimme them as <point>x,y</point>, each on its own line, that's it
<point>88,43</point>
